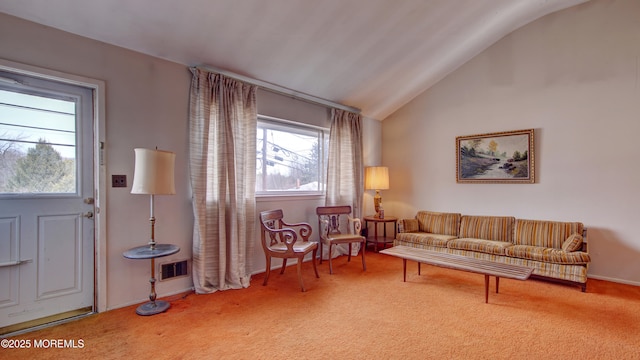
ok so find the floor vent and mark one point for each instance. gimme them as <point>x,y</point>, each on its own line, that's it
<point>174,269</point>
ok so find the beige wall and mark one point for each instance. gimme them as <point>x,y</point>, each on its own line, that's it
<point>573,76</point>
<point>146,106</point>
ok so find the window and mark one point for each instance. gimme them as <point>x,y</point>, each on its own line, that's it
<point>291,157</point>
<point>38,140</point>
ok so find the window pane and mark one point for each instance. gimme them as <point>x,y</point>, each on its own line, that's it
<point>289,158</point>
<point>37,144</point>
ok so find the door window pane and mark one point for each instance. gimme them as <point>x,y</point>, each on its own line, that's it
<point>37,143</point>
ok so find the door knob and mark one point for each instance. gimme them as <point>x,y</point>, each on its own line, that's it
<point>88,215</point>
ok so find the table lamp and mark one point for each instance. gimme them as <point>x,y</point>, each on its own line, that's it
<point>376,178</point>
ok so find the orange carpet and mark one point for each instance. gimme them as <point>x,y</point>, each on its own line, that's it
<point>353,314</point>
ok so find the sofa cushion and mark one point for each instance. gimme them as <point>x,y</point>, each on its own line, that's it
<point>479,245</point>
<point>421,239</point>
<point>546,234</point>
<point>573,243</point>
<point>439,223</point>
<point>550,255</point>
<point>499,228</point>
<point>410,225</point>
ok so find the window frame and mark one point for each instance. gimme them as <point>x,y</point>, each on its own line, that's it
<point>285,125</point>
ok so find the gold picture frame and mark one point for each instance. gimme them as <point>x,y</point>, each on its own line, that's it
<point>500,157</point>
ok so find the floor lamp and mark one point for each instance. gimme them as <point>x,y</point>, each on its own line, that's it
<point>153,175</point>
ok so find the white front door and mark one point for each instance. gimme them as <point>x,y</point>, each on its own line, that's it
<point>46,201</point>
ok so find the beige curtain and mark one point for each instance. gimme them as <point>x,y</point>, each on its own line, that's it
<point>222,120</point>
<point>345,174</point>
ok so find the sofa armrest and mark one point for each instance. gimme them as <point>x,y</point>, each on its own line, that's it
<point>585,247</point>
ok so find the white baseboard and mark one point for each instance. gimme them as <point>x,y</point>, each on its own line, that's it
<point>615,280</point>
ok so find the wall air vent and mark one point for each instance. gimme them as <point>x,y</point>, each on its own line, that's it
<point>174,269</point>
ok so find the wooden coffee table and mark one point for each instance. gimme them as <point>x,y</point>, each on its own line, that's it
<point>460,262</point>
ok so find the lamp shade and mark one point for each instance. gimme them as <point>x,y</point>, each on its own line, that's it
<point>154,172</point>
<point>376,178</point>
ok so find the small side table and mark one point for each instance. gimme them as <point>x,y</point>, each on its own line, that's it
<point>384,240</point>
<point>147,252</point>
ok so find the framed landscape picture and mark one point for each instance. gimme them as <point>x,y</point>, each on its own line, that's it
<point>502,157</point>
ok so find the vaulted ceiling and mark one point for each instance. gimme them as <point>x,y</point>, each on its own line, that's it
<point>375,55</point>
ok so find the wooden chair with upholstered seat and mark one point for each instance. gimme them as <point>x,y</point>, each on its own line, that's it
<point>329,219</point>
<point>285,241</point>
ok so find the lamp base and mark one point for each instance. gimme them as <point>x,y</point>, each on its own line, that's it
<point>152,308</point>
<point>377,199</point>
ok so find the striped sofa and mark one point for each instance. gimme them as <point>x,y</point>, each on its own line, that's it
<point>555,250</point>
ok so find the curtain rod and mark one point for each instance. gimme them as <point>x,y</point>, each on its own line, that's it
<point>280,89</point>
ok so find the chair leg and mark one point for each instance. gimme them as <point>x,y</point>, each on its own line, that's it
<point>268,271</point>
<point>284,265</point>
<point>330,262</point>
<point>364,266</point>
<point>315,268</point>
<point>349,256</point>
<point>299,266</point>
<point>320,252</point>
